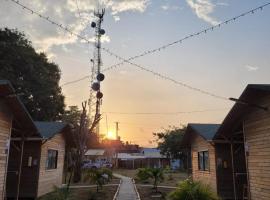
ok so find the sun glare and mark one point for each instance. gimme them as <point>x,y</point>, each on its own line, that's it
<point>110,135</point>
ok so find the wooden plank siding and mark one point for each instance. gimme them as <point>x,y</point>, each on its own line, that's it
<point>53,177</point>
<point>5,132</point>
<point>257,133</point>
<point>207,177</point>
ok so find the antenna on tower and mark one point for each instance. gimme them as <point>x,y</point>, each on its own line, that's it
<point>97,63</point>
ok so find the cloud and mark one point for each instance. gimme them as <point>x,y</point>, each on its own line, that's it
<point>46,36</point>
<point>169,7</point>
<point>203,9</point>
<point>222,4</point>
<point>116,18</point>
<point>251,68</point>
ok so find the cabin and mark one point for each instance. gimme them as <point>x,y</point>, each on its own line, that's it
<point>15,121</point>
<point>37,165</point>
<point>246,129</point>
<point>32,153</point>
<point>52,155</point>
<point>198,141</point>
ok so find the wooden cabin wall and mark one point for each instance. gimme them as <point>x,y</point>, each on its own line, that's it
<point>53,177</point>
<point>207,177</point>
<point>257,133</point>
<point>29,174</point>
<point>5,132</point>
<point>224,171</point>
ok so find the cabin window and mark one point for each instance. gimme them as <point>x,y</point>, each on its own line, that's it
<point>203,160</point>
<point>52,159</point>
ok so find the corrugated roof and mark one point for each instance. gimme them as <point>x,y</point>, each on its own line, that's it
<point>95,152</point>
<point>152,153</point>
<point>49,129</point>
<point>129,156</point>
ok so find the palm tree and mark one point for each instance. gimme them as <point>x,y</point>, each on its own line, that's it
<point>98,176</point>
<point>157,174</point>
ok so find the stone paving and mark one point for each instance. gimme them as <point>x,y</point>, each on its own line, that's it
<point>127,190</point>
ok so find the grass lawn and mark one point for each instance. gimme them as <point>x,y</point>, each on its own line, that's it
<point>170,179</point>
<point>147,193</point>
<point>107,193</point>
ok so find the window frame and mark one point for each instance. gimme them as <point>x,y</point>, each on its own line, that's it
<point>52,159</point>
<point>203,161</point>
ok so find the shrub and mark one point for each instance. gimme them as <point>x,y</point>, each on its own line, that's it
<point>192,190</point>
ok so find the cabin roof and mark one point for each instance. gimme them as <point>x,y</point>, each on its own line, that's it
<point>18,109</point>
<point>235,116</point>
<point>50,129</point>
<point>206,131</point>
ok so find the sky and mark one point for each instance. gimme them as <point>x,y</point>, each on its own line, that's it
<point>222,61</point>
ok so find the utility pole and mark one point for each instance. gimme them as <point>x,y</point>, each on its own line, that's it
<point>117,129</point>
<point>97,63</point>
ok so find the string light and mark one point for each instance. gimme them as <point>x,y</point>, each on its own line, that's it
<point>146,52</point>
<point>189,36</point>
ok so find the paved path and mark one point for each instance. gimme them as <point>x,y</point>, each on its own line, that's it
<point>127,190</point>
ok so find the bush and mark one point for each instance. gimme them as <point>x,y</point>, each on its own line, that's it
<point>192,190</point>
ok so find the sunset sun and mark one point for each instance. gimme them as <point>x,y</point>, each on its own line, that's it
<point>110,135</point>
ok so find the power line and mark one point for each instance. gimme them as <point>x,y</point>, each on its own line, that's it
<point>75,81</point>
<point>204,31</point>
<point>65,28</point>
<point>165,113</point>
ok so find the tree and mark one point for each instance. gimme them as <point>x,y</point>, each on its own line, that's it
<point>81,135</point>
<point>169,142</point>
<point>34,78</point>
<point>156,174</point>
<point>192,190</point>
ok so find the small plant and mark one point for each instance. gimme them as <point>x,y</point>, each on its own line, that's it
<point>98,176</point>
<point>192,190</point>
<point>156,174</point>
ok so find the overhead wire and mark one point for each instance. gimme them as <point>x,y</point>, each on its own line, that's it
<point>108,51</point>
<point>165,113</point>
<point>179,41</point>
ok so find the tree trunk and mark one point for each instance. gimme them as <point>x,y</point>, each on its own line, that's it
<point>78,170</point>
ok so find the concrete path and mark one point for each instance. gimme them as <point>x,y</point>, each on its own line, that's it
<point>127,189</point>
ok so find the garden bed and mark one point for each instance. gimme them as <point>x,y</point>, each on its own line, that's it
<point>147,193</point>
<point>107,193</point>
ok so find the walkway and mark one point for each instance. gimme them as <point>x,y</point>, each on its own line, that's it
<point>127,190</point>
